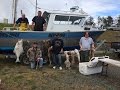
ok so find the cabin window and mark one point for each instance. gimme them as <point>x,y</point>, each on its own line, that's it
<point>68,20</point>
<point>75,20</point>
<point>61,19</point>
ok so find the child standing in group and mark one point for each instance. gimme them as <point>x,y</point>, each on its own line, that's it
<point>35,56</point>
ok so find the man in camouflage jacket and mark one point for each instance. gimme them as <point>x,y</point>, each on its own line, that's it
<point>35,56</point>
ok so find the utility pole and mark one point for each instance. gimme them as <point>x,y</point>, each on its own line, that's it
<point>36,8</point>
<point>14,10</point>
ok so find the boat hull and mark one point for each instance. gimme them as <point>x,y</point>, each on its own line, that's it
<point>8,39</point>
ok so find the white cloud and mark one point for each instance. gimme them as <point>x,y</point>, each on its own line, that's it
<point>5,9</point>
<point>93,7</point>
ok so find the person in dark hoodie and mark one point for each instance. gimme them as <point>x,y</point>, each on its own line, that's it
<point>57,49</point>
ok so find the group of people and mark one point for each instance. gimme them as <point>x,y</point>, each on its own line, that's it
<point>35,54</point>
<point>38,23</point>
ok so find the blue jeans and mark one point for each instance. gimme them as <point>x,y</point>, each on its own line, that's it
<point>57,60</point>
<point>34,63</point>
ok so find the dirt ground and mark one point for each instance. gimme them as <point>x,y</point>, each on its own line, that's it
<point>20,77</point>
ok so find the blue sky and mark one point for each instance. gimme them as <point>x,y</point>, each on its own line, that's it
<point>93,7</point>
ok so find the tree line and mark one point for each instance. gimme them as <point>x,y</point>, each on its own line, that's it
<point>105,21</point>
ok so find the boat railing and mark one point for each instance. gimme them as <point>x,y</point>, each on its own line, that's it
<point>92,27</point>
<point>10,28</point>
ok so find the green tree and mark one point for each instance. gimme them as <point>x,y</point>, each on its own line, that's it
<point>99,19</point>
<point>104,20</point>
<point>90,21</point>
<point>109,21</point>
<point>118,21</point>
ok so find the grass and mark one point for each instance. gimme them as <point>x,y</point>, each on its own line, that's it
<point>110,36</point>
<point>2,25</point>
<point>20,77</point>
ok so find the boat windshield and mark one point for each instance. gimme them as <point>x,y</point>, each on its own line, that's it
<point>68,20</point>
<point>46,16</point>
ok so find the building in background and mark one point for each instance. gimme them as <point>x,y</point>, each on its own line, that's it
<point>5,20</point>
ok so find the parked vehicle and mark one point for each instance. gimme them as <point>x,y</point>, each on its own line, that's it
<point>116,48</point>
<point>115,27</point>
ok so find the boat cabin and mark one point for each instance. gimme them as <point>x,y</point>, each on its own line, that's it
<point>62,21</point>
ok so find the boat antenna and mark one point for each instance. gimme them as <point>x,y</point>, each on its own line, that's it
<point>21,12</point>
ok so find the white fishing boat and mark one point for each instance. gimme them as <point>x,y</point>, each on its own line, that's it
<point>71,26</point>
